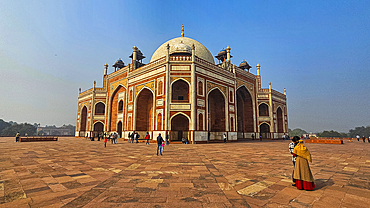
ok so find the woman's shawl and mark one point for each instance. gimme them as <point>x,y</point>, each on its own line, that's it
<point>302,151</point>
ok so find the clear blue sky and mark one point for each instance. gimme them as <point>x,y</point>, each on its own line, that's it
<point>317,50</point>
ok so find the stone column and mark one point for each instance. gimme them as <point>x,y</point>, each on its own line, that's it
<point>271,113</point>
<point>167,91</point>
<point>193,96</point>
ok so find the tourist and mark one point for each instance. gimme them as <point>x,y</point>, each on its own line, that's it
<point>252,136</point>
<point>137,137</point>
<point>302,172</point>
<point>167,142</point>
<point>358,138</point>
<point>283,136</point>
<point>98,136</point>
<point>115,137</point>
<point>159,143</point>
<point>224,138</point>
<point>147,137</point>
<point>363,138</point>
<point>291,148</point>
<point>368,139</point>
<point>17,137</point>
<point>105,140</point>
<point>111,137</point>
<point>129,137</point>
<point>162,146</point>
<point>260,137</point>
<point>183,140</point>
<point>132,137</point>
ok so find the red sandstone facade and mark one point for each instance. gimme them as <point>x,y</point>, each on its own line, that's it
<point>183,93</point>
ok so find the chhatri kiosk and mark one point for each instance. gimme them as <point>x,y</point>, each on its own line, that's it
<point>184,93</point>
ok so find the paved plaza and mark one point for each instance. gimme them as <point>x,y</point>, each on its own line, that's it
<point>79,173</point>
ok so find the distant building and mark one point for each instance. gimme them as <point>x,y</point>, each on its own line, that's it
<point>183,92</point>
<point>57,131</point>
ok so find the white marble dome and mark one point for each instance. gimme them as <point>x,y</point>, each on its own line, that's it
<point>200,50</point>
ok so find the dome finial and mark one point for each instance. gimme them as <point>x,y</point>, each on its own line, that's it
<point>182,34</point>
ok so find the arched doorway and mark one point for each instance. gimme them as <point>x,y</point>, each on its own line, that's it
<point>180,91</point>
<point>144,110</point>
<point>114,108</point>
<point>265,131</point>
<point>279,120</point>
<point>98,128</point>
<point>179,127</point>
<point>245,112</point>
<point>83,121</point>
<point>119,129</point>
<point>100,109</point>
<point>216,111</point>
<point>263,109</point>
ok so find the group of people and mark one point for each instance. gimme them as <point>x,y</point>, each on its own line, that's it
<point>302,175</point>
<point>363,138</point>
<point>134,136</point>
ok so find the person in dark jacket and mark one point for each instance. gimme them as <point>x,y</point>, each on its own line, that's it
<point>159,143</point>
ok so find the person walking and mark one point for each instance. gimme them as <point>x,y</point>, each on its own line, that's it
<point>129,137</point>
<point>368,139</point>
<point>147,137</point>
<point>159,143</point>
<point>302,172</point>
<point>167,142</point>
<point>134,137</point>
<point>105,140</point>
<point>137,137</point>
<point>17,137</point>
<point>224,138</point>
<point>115,138</point>
<point>358,138</point>
<point>294,142</point>
<point>260,137</point>
<point>363,138</point>
<point>252,136</point>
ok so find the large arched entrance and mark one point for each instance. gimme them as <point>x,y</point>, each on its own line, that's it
<point>216,112</point>
<point>279,120</point>
<point>245,112</point>
<point>98,128</point>
<point>83,121</point>
<point>114,108</point>
<point>179,128</point>
<point>144,110</point>
<point>119,129</point>
<point>265,131</point>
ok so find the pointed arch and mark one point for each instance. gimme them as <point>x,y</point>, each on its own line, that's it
<point>265,130</point>
<point>245,121</point>
<point>180,91</point>
<point>83,119</point>
<point>99,108</point>
<point>113,107</point>
<point>216,110</point>
<point>179,126</point>
<point>263,109</point>
<point>280,120</point>
<point>144,109</point>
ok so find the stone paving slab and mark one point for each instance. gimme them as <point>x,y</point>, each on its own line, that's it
<point>79,173</point>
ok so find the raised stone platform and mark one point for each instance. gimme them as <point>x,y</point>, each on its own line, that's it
<point>38,139</point>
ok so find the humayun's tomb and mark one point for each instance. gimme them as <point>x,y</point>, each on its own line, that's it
<point>184,93</point>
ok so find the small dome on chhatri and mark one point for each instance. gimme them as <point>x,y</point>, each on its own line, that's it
<point>119,64</point>
<point>180,48</point>
<point>244,65</point>
<point>222,52</point>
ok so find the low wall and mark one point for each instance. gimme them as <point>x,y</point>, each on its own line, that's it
<point>325,141</point>
<point>37,139</point>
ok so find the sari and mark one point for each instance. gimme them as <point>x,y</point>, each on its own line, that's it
<point>302,171</point>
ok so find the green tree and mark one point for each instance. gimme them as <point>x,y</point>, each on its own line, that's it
<point>361,131</point>
<point>23,129</point>
<point>331,133</point>
<point>3,125</point>
<point>297,132</point>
